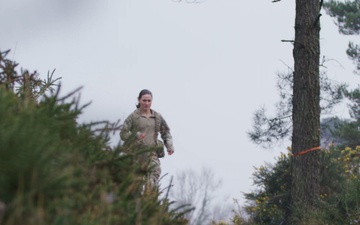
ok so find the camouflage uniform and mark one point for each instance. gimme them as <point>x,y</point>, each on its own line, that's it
<point>135,123</point>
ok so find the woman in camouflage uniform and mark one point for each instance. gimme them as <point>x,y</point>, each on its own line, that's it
<point>146,124</point>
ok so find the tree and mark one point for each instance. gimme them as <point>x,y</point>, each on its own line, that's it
<point>305,108</point>
<point>197,191</point>
<point>268,130</point>
<point>305,103</point>
<point>268,203</point>
<point>347,18</point>
<point>305,184</point>
<point>347,15</point>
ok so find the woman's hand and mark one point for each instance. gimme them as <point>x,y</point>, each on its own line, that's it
<point>170,152</point>
<point>140,135</point>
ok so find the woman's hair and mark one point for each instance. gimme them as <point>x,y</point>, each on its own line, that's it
<point>143,92</point>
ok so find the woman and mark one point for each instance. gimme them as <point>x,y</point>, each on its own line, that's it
<point>146,124</point>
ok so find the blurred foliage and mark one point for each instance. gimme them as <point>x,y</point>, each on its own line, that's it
<point>347,14</point>
<point>56,171</point>
<point>347,18</point>
<point>345,132</point>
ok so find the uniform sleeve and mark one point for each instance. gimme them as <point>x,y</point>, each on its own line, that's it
<point>125,131</point>
<point>166,135</point>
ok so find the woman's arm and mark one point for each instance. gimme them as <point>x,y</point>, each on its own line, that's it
<point>125,131</point>
<point>166,136</point>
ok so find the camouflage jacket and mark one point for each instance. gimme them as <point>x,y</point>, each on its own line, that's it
<point>131,126</point>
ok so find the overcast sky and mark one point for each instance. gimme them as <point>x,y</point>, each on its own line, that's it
<point>209,66</point>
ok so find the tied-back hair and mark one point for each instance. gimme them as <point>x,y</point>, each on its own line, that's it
<point>143,92</point>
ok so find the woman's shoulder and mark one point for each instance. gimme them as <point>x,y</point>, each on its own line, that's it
<point>156,113</point>
<point>135,114</point>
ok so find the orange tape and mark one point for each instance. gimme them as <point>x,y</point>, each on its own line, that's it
<point>306,151</point>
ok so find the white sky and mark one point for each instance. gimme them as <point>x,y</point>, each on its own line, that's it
<point>209,66</point>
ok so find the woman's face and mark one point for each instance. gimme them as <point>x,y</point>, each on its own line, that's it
<point>145,102</point>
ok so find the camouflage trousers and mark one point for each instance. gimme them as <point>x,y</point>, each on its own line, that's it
<point>150,164</point>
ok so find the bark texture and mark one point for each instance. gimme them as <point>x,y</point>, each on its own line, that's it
<point>306,107</point>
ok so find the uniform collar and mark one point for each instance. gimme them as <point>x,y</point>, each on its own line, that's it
<point>137,113</point>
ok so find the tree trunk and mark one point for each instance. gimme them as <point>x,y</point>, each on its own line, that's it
<point>305,186</point>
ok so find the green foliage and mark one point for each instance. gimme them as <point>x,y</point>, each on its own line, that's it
<point>339,198</point>
<point>268,203</point>
<point>347,15</point>
<point>55,171</point>
<point>353,52</point>
<point>340,186</point>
